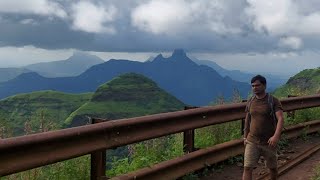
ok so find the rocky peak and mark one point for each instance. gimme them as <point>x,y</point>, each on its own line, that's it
<point>179,53</point>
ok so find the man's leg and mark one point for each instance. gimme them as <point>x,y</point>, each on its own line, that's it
<point>247,173</point>
<point>251,158</point>
<point>273,173</point>
<point>270,155</point>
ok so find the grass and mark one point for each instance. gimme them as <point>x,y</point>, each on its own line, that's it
<point>147,153</point>
<point>74,169</point>
<point>52,106</point>
<point>316,171</point>
<point>305,82</point>
<point>216,134</point>
<point>303,115</point>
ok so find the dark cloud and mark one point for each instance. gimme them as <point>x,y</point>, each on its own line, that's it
<point>57,34</point>
<point>232,32</point>
<point>47,34</point>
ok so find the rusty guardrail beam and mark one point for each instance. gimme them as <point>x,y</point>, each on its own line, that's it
<point>301,102</point>
<point>302,128</point>
<point>193,161</point>
<point>27,152</point>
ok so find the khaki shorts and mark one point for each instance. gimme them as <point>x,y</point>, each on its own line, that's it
<point>253,152</point>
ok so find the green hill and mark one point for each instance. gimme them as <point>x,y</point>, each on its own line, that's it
<point>128,95</point>
<point>50,108</point>
<point>306,82</point>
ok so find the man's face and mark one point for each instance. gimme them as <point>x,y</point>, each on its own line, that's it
<point>258,87</point>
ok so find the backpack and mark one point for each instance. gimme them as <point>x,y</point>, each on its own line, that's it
<point>271,104</point>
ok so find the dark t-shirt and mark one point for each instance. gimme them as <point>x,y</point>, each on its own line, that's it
<point>262,125</point>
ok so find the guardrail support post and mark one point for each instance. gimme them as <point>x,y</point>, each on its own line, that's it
<point>243,120</point>
<point>242,126</point>
<point>188,141</point>
<point>188,136</point>
<point>98,160</point>
<point>291,113</point>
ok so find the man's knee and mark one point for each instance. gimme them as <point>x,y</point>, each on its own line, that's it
<point>247,173</point>
<point>273,173</point>
<point>273,170</point>
<point>248,168</point>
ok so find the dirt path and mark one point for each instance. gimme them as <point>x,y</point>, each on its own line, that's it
<point>303,171</point>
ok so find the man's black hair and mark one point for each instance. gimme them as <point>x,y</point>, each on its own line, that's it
<point>259,78</point>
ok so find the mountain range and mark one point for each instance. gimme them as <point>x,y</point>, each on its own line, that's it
<point>272,81</point>
<point>11,73</point>
<point>79,62</point>
<point>191,83</point>
<point>76,64</point>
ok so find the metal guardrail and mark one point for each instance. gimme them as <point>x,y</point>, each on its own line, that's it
<point>27,152</point>
<point>180,166</point>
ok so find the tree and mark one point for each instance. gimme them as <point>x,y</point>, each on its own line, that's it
<point>236,97</point>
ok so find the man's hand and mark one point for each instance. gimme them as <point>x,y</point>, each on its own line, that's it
<point>245,141</point>
<point>276,137</point>
<point>273,141</point>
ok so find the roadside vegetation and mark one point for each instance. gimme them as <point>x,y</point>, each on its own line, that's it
<point>316,171</point>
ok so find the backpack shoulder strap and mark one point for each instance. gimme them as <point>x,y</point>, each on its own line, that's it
<point>249,104</point>
<point>271,104</point>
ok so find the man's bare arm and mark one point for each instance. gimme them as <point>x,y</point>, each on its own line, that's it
<point>276,137</point>
<point>246,129</point>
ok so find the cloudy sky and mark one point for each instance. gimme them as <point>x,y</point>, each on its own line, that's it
<point>275,36</point>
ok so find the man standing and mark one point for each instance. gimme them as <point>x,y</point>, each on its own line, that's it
<point>263,125</point>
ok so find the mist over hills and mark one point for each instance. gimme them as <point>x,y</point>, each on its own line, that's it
<point>273,81</point>
<point>73,66</point>
<point>191,83</point>
<point>11,73</point>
